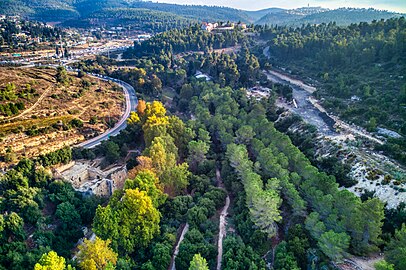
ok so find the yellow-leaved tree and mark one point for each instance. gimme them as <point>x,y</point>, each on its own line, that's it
<point>96,255</point>
<point>51,261</point>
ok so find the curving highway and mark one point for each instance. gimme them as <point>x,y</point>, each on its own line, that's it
<point>130,105</point>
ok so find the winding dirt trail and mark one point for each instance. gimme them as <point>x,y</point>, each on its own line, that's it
<point>222,232</point>
<point>176,251</point>
<point>45,94</point>
<point>222,223</point>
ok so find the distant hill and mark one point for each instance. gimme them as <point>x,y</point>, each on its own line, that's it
<point>290,16</point>
<point>346,16</point>
<point>202,13</point>
<point>82,11</point>
<point>44,10</point>
<point>132,18</point>
<point>61,10</point>
<point>87,7</point>
<point>342,16</point>
<point>279,18</point>
<point>57,10</point>
<point>257,14</point>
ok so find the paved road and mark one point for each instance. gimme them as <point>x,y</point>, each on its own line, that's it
<point>131,105</point>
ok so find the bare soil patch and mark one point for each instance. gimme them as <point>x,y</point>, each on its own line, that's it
<point>45,123</point>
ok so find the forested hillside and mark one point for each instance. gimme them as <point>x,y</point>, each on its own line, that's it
<point>62,10</point>
<point>133,18</point>
<point>346,16</point>
<point>359,69</point>
<point>43,10</point>
<point>201,13</point>
<point>22,34</point>
<point>191,38</point>
<point>341,16</point>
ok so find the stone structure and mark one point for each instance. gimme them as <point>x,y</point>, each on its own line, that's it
<point>91,180</point>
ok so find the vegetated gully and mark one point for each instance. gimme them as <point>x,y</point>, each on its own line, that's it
<point>301,94</point>
<point>304,107</point>
<point>310,109</point>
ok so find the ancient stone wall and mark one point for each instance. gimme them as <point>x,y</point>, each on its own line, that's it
<point>119,178</point>
<point>77,174</point>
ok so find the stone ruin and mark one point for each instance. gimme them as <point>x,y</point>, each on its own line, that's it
<point>90,180</point>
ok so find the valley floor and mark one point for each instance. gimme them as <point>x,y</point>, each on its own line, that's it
<point>347,137</point>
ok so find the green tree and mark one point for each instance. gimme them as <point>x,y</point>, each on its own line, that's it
<point>334,245</point>
<point>61,75</point>
<point>245,134</point>
<point>403,93</point>
<point>238,256</point>
<point>68,214</point>
<point>111,151</point>
<point>147,181</point>
<point>298,244</point>
<point>372,124</point>
<point>365,226</point>
<point>197,153</point>
<point>262,204</point>
<point>198,263</point>
<point>384,265</point>
<point>284,260</point>
<point>161,256</point>
<point>176,179</point>
<point>181,134</point>
<point>14,224</point>
<point>130,221</point>
<point>396,249</point>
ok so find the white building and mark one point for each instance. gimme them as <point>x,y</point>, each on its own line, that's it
<point>209,26</point>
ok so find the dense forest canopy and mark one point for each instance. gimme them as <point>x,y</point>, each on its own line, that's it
<point>60,10</point>
<point>133,18</point>
<point>192,38</point>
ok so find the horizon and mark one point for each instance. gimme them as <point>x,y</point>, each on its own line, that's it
<point>390,5</point>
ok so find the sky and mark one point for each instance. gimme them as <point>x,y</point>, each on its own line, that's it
<point>392,5</point>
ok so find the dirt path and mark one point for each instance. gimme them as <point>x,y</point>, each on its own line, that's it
<point>33,106</point>
<point>176,251</point>
<point>222,232</point>
<point>367,263</point>
<point>293,81</point>
<point>222,223</point>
